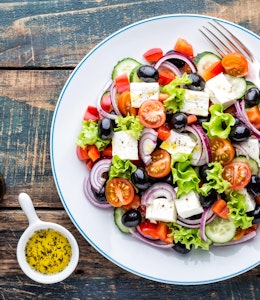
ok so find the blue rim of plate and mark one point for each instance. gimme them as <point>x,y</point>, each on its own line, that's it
<point>171,16</point>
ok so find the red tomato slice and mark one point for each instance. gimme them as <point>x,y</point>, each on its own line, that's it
<point>238,174</point>
<point>153,55</point>
<point>222,150</point>
<point>215,69</point>
<point>119,191</point>
<point>235,64</point>
<point>152,113</point>
<point>183,47</point>
<point>91,113</point>
<point>124,104</point>
<point>164,132</point>
<point>160,165</point>
<point>122,83</point>
<point>165,77</point>
<point>106,102</point>
<point>156,231</point>
<point>82,154</point>
<point>253,114</point>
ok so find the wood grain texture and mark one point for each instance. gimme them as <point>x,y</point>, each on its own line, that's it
<point>40,43</point>
<point>60,33</point>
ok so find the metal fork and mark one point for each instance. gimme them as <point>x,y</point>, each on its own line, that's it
<point>225,42</point>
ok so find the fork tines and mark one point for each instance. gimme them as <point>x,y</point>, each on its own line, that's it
<point>224,41</point>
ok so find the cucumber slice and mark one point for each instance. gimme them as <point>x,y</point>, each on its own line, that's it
<point>118,213</point>
<point>238,84</point>
<point>249,85</point>
<point>125,66</point>
<point>253,165</point>
<point>220,231</point>
<point>204,60</point>
<point>133,77</point>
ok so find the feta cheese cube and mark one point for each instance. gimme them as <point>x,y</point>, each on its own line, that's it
<point>178,142</point>
<point>250,201</point>
<point>188,205</point>
<point>142,91</point>
<point>220,91</point>
<point>196,102</point>
<point>251,147</point>
<point>161,209</point>
<point>124,145</point>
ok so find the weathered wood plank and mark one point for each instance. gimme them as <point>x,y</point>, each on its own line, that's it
<point>26,115</point>
<point>97,278</point>
<point>60,33</point>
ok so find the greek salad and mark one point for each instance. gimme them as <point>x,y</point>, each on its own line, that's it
<point>172,147</point>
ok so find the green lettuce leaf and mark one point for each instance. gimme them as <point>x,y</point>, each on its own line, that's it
<point>130,124</point>
<point>183,174</point>
<point>121,168</point>
<point>214,179</point>
<point>188,236</point>
<point>220,123</point>
<point>89,136</point>
<point>176,99</point>
<point>237,210</point>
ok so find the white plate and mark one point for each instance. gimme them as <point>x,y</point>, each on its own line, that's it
<point>97,225</point>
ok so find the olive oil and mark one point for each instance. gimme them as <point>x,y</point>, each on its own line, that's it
<point>48,251</point>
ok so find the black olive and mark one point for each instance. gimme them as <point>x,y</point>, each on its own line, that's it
<point>181,248</point>
<point>131,218</point>
<point>203,172</point>
<point>100,196</point>
<point>239,133</point>
<point>207,201</point>
<point>178,121</point>
<point>105,128</point>
<point>140,178</point>
<point>256,215</point>
<point>179,63</point>
<point>252,96</point>
<point>195,217</point>
<point>253,186</point>
<point>201,119</point>
<point>148,73</point>
<point>198,83</point>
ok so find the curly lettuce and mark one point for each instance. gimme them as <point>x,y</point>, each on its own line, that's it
<point>214,179</point>
<point>183,174</point>
<point>220,123</point>
<point>176,99</point>
<point>121,168</point>
<point>237,210</point>
<point>129,124</point>
<point>89,136</point>
<point>188,236</point>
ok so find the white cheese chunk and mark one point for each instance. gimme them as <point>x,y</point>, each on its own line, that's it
<point>142,91</point>
<point>196,102</point>
<point>250,201</point>
<point>161,209</point>
<point>188,205</point>
<point>124,145</point>
<point>251,147</point>
<point>178,143</point>
<point>220,91</point>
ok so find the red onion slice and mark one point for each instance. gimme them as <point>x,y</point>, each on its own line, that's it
<point>196,160</point>
<point>245,238</point>
<point>205,142</point>
<point>158,190</point>
<point>88,193</point>
<point>176,55</point>
<point>168,65</point>
<point>148,140</point>
<point>155,243</point>
<point>113,94</point>
<point>96,177</point>
<point>203,223</point>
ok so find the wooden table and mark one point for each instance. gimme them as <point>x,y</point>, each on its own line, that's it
<point>40,44</point>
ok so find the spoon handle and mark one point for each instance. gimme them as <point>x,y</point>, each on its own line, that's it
<point>27,206</point>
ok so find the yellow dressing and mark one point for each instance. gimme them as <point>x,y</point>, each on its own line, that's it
<point>48,251</point>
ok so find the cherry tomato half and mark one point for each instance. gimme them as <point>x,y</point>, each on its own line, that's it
<point>160,165</point>
<point>222,150</point>
<point>152,113</point>
<point>124,104</point>
<point>235,64</point>
<point>119,191</point>
<point>238,174</point>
